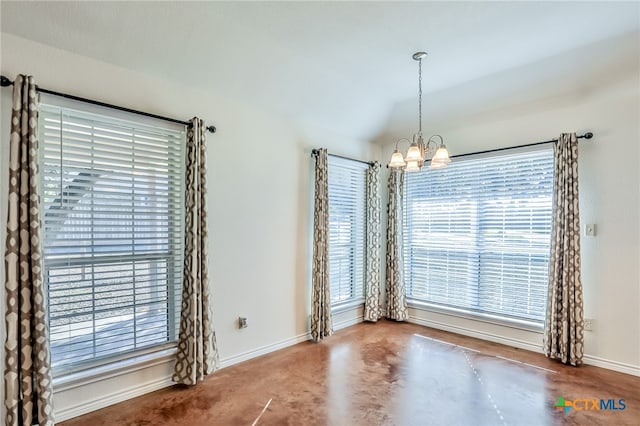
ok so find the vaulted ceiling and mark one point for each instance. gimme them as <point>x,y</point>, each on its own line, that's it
<point>341,65</point>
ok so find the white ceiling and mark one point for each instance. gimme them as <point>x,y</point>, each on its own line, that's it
<point>345,66</point>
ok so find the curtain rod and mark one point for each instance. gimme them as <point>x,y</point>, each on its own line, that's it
<point>5,82</point>
<point>315,152</point>
<point>587,135</point>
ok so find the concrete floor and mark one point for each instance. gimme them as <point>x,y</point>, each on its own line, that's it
<point>386,374</point>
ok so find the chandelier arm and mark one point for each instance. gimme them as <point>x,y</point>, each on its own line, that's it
<point>430,149</point>
<point>436,136</point>
<point>400,140</point>
<point>432,146</point>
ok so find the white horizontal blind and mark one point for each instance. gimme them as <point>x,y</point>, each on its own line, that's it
<point>347,182</point>
<point>477,234</point>
<point>113,219</point>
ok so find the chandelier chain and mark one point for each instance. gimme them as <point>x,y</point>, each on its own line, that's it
<point>420,96</point>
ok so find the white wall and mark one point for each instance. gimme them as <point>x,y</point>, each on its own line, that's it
<point>260,172</point>
<point>609,197</point>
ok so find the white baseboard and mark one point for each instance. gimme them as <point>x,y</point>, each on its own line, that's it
<point>113,398</point>
<point>620,367</point>
<point>516,343</point>
<point>263,350</point>
<point>253,353</point>
<point>347,323</point>
<point>521,344</point>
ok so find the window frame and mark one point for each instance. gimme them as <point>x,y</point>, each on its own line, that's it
<point>86,371</point>
<point>471,314</point>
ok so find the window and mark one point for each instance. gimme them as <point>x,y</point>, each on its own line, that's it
<point>113,213</point>
<point>347,183</point>
<point>477,234</point>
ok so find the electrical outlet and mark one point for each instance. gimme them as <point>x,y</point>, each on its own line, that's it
<point>590,230</point>
<point>242,322</point>
<point>588,324</point>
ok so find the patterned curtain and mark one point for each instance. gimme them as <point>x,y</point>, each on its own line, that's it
<point>563,338</point>
<point>197,350</point>
<point>321,326</point>
<point>396,296</point>
<point>27,374</point>
<point>372,308</point>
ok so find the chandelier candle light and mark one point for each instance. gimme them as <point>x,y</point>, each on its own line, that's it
<point>418,149</point>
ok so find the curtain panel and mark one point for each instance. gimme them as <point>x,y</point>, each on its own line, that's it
<point>372,308</point>
<point>27,375</point>
<point>321,325</point>
<point>197,354</point>
<point>564,326</point>
<point>396,294</point>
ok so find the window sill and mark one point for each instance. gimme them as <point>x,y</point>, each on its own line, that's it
<point>476,316</point>
<point>118,368</point>
<point>347,305</point>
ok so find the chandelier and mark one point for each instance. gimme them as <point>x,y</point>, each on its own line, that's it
<point>419,151</point>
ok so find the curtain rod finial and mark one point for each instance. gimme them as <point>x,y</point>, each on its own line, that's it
<point>212,129</point>
<point>4,81</point>
<point>588,135</point>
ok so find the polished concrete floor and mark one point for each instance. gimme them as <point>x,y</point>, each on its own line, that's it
<point>387,374</point>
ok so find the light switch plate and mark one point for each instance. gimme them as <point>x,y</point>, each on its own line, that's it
<point>588,324</point>
<point>590,230</point>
